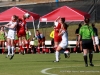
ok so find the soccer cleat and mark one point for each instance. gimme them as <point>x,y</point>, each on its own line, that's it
<point>86,65</point>
<point>11,57</point>
<point>55,61</point>
<point>7,56</point>
<point>91,64</point>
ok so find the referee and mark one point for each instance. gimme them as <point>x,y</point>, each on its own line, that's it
<point>87,35</point>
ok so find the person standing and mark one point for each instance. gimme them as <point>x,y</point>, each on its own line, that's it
<point>96,38</point>
<point>28,38</point>
<point>3,36</point>
<point>21,32</point>
<point>11,35</point>
<point>64,42</point>
<point>86,33</point>
<point>52,36</point>
<point>77,35</point>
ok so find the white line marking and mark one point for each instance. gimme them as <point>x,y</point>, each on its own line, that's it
<point>44,71</point>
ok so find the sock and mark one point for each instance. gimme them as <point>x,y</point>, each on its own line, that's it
<point>27,46</point>
<point>38,49</point>
<point>57,55</point>
<point>85,59</point>
<point>12,49</point>
<point>3,50</point>
<point>8,50</point>
<point>90,57</point>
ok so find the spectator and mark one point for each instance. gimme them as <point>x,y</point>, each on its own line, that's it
<point>87,35</point>
<point>3,35</point>
<point>77,35</point>
<point>96,37</point>
<point>52,36</point>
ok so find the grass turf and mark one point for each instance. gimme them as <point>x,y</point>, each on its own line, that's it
<point>33,64</point>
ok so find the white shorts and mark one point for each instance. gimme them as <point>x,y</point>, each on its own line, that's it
<point>63,45</point>
<point>11,34</point>
<point>96,40</point>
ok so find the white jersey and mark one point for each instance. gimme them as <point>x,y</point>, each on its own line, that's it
<point>64,36</point>
<point>64,42</point>
<point>11,31</point>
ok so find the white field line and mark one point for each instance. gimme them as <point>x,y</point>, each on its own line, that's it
<point>44,71</point>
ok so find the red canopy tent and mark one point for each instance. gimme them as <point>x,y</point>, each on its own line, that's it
<point>70,14</point>
<point>6,15</point>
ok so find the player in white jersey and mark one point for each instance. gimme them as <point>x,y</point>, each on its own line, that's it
<point>11,35</point>
<point>64,42</point>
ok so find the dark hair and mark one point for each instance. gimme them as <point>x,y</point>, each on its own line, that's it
<point>86,20</point>
<point>65,25</point>
<point>62,19</point>
<point>15,17</point>
<point>79,25</point>
<point>93,24</point>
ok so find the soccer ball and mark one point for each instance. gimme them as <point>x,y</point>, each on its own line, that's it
<point>27,15</point>
<point>67,54</point>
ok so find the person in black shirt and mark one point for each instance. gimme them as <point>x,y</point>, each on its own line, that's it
<point>96,37</point>
<point>77,35</point>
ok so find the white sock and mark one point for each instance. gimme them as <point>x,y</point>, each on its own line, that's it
<point>57,55</point>
<point>8,50</point>
<point>12,49</point>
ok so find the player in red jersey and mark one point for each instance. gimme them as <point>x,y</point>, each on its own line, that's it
<point>57,27</point>
<point>21,31</point>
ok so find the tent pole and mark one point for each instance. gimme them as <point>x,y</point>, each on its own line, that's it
<point>38,25</point>
<point>34,28</point>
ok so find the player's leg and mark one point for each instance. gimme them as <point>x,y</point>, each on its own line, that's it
<point>8,46</point>
<point>3,47</point>
<point>85,52</point>
<point>57,53</point>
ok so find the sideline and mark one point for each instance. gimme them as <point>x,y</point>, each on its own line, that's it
<point>44,71</point>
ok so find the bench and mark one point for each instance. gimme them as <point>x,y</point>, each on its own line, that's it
<point>71,44</point>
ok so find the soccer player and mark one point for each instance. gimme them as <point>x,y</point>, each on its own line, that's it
<point>28,38</point>
<point>11,35</point>
<point>86,33</point>
<point>41,41</point>
<point>3,35</point>
<point>21,31</point>
<point>64,42</point>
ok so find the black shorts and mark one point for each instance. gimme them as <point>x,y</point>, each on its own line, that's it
<point>87,44</point>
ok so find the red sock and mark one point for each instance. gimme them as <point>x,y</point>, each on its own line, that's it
<point>3,50</point>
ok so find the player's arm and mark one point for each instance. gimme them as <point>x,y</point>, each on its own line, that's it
<point>61,32</point>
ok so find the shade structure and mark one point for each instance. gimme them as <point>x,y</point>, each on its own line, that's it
<point>70,14</point>
<point>6,15</point>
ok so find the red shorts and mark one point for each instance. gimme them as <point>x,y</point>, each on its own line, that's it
<point>21,33</point>
<point>57,38</point>
<point>16,41</point>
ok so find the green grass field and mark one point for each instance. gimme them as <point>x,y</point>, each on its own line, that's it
<point>35,64</point>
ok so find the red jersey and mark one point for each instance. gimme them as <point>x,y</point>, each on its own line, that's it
<point>21,28</point>
<point>56,31</point>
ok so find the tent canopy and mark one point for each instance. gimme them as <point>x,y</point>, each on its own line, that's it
<point>70,14</point>
<point>6,15</point>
